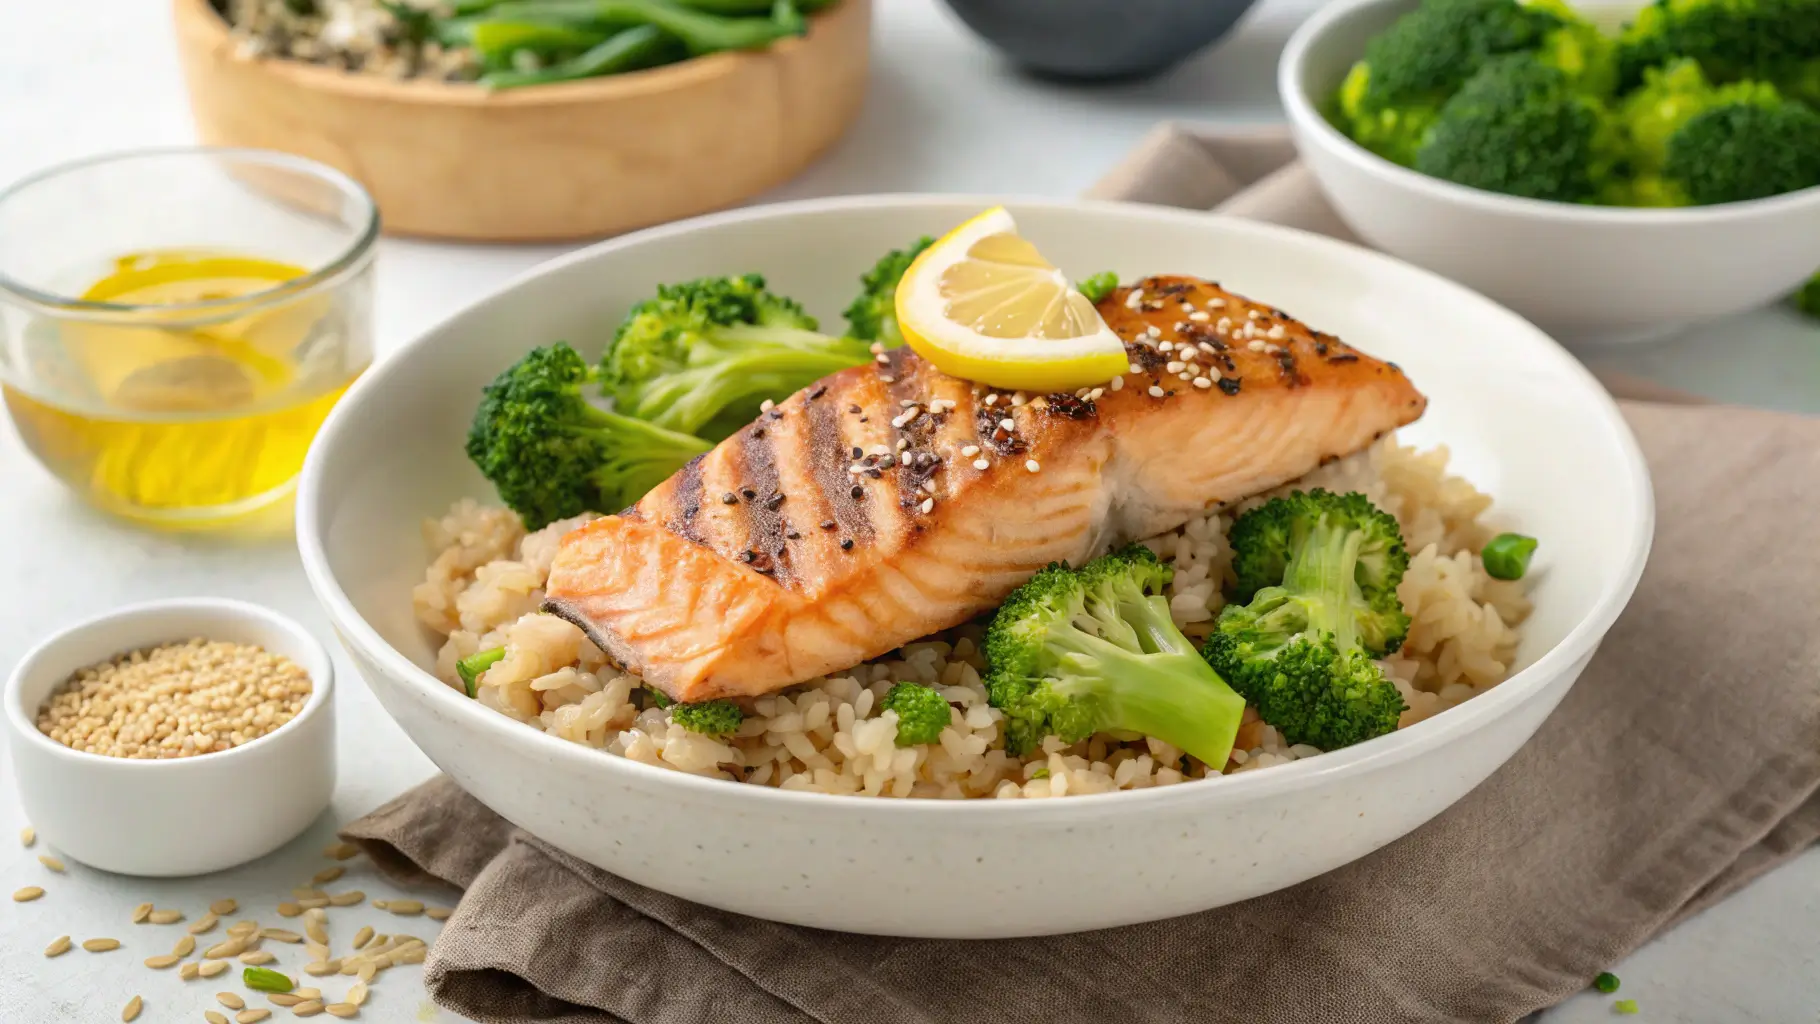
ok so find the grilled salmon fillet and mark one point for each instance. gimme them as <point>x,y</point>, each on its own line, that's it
<point>890,501</point>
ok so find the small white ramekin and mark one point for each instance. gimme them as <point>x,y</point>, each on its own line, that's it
<point>180,816</point>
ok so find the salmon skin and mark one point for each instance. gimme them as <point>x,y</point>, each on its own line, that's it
<point>890,501</point>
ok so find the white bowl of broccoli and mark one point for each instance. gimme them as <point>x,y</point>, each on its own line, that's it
<point>1608,183</point>
<point>1524,422</point>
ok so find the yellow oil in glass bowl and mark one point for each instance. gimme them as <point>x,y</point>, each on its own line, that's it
<point>181,415</point>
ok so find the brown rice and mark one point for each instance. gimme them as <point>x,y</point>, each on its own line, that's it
<point>484,585</point>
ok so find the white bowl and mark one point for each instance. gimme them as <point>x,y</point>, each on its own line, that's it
<point>1524,419</point>
<point>1585,273</point>
<point>180,816</point>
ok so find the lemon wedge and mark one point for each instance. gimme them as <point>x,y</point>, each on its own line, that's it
<point>982,304</point>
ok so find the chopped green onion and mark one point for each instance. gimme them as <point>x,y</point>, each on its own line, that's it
<point>658,697</point>
<point>262,980</point>
<point>1506,556</point>
<point>1625,1007</point>
<point>1040,773</point>
<point>1099,285</point>
<point>1606,982</point>
<point>470,667</point>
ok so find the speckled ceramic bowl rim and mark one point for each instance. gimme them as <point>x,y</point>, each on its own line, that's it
<point>318,664</point>
<point>1303,111</point>
<point>1420,738</point>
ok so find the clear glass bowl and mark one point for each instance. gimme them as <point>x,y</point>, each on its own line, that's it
<point>175,324</point>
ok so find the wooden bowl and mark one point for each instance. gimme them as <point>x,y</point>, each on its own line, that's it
<point>544,163</point>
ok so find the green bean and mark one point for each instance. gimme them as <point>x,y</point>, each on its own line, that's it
<point>497,40</point>
<point>699,32</point>
<point>630,50</point>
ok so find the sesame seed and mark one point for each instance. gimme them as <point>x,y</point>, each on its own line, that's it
<point>1155,392</point>
<point>1202,382</point>
<point>1017,398</point>
<point>1167,346</point>
<point>887,378</point>
<point>970,451</point>
<point>175,700</point>
<point>1255,346</point>
<point>1135,368</point>
<point>1007,424</point>
<point>1154,331</point>
<point>882,359</point>
<point>341,851</point>
<point>902,443</point>
<point>766,406</point>
<point>27,836</point>
<point>51,862</point>
<point>927,506</point>
<point>1117,384</point>
<point>130,1012</point>
<point>1096,394</point>
<point>229,906</point>
<point>992,399</point>
<point>1216,303</point>
<point>827,524</point>
<point>1174,366</point>
<point>1135,299</point>
<point>981,464</point>
<point>1184,375</point>
<point>1199,317</point>
<point>1252,314</point>
<point>58,946</point>
<point>27,894</point>
<point>877,348</point>
<point>1276,332</point>
<point>1032,465</point>
<point>1224,325</point>
<point>100,945</point>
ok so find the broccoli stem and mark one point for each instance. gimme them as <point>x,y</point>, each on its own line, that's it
<point>1322,571</point>
<point>755,367</point>
<point>641,454</point>
<point>631,50</point>
<point>1172,695</point>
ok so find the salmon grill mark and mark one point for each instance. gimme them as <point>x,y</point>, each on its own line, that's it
<point>1072,406</point>
<point>686,499</point>
<point>986,425</point>
<point>764,527</point>
<point>825,456</point>
<point>1148,357</point>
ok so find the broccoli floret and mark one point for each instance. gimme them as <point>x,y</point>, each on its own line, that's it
<point>872,315</point>
<point>552,455</point>
<point>922,713</point>
<point>1577,48</point>
<point>1693,143</point>
<point>1807,300</point>
<point>1389,100</point>
<point>1731,39</point>
<point>703,356</point>
<point>710,717</point>
<point>1518,127</point>
<point>1302,648</point>
<point>1075,652</point>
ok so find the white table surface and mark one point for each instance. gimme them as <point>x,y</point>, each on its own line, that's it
<point>77,78</point>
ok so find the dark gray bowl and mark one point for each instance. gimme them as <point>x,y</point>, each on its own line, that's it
<point>1096,40</point>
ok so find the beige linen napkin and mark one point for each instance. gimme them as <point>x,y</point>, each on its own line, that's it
<point>1685,762</point>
